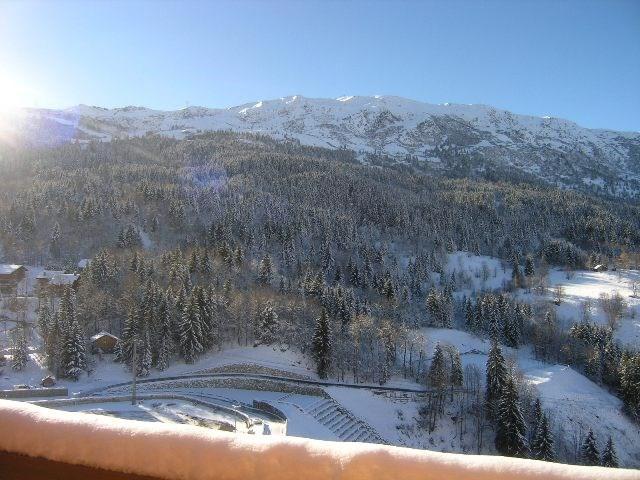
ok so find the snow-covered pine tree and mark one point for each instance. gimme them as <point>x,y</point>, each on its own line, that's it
<point>469,315</point>
<point>54,241</point>
<point>71,341</point>
<point>516,273</point>
<point>457,375</point>
<point>630,382</point>
<point>49,331</point>
<point>496,379</point>
<point>206,267</point>
<point>536,416</point>
<point>609,455</point>
<point>44,320</point>
<point>189,331</point>
<point>510,426</point>
<point>205,315</point>
<point>19,349</point>
<point>589,450</point>
<point>433,308</point>
<point>267,325</point>
<point>542,447</point>
<point>265,270</point>
<point>529,268</point>
<point>511,329</point>
<point>165,336</point>
<point>124,347</point>
<point>193,262</point>
<point>144,361</point>
<point>321,344</point>
<point>74,349</point>
<point>437,376</point>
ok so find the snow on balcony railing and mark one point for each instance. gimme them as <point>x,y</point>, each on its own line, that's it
<point>189,452</point>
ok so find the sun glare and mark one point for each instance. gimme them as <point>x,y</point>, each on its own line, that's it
<point>13,95</point>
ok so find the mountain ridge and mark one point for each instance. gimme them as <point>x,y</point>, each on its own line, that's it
<point>480,137</point>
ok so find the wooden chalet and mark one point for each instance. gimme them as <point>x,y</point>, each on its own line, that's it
<point>10,278</point>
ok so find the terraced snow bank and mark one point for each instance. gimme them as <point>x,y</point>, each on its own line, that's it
<point>187,452</point>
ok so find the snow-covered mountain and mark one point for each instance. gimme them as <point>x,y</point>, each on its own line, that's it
<point>466,137</point>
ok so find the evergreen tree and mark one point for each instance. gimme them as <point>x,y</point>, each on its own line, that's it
<point>542,444</point>
<point>189,331</point>
<point>267,324</point>
<point>144,361</point>
<point>73,360</point>
<point>321,344</point>
<point>124,347</point>
<point>165,341</point>
<point>536,416</point>
<point>205,316</point>
<point>589,450</point>
<point>529,268</point>
<point>206,268</point>
<point>19,350</point>
<point>609,456</point>
<point>630,382</point>
<point>54,242</point>
<point>516,273</point>
<point>511,330</point>
<point>469,315</point>
<point>47,331</point>
<point>510,426</point>
<point>496,379</point>
<point>437,376</point>
<point>433,308</point>
<point>74,350</point>
<point>265,270</point>
<point>457,375</point>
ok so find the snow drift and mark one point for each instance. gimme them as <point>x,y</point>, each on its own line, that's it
<point>187,452</point>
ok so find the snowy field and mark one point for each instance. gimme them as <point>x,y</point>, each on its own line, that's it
<point>107,372</point>
<point>572,400</point>
<point>587,285</point>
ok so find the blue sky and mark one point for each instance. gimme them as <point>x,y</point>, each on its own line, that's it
<point>572,59</point>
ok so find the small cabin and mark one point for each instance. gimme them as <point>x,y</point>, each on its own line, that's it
<point>54,282</point>
<point>104,341</point>
<point>48,381</point>
<point>10,277</point>
<point>600,268</point>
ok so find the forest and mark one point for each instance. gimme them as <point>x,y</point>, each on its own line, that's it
<point>224,239</point>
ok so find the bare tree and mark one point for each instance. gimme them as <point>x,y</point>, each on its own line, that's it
<point>614,308</point>
<point>558,294</point>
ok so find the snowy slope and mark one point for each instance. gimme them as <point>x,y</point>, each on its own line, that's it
<point>549,148</point>
<point>572,400</point>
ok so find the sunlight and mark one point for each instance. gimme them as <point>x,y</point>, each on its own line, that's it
<point>14,95</point>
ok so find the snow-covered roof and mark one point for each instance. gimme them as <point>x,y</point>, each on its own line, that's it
<point>83,263</point>
<point>8,269</point>
<point>102,334</point>
<point>64,279</point>
<point>49,274</point>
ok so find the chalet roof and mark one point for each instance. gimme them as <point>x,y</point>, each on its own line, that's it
<point>50,273</point>
<point>64,279</point>
<point>8,269</point>
<point>103,334</point>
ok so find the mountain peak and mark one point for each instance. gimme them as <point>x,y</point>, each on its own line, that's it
<point>552,149</point>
